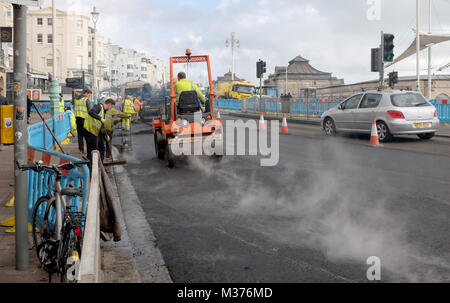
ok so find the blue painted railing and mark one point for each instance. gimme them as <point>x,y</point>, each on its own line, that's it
<point>41,184</point>
<point>40,143</point>
<point>39,135</point>
<point>300,106</point>
<point>44,106</point>
<point>443,111</point>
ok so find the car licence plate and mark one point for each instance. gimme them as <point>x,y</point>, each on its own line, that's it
<point>422,125</point>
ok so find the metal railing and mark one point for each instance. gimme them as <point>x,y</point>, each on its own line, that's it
<point>301,107</point>
<point>39,135</point>
<point>89,271</point>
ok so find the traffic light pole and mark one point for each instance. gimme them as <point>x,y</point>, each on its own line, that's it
<point>21,135</point>
<point>381,83</point>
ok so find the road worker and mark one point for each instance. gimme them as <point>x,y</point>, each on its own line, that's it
<point>112,117</point>
<point>81,109</point>
<point>183,85</point>
<point>138,106</point>
<point>61,104</point>
<point>127,108</point>
<point>93,124</point>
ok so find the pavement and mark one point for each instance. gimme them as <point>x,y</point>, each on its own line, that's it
<point>317,216</point>
<point>117,264</point>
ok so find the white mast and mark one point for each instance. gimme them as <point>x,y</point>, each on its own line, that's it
<point>429,50</point>
<point>417,45</point>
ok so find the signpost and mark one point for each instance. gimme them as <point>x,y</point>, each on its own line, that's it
<point>20,128</point>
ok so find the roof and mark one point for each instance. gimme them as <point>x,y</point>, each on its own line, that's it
<point>299,66</point>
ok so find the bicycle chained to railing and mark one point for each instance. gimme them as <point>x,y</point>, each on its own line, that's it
<point>57,225</point>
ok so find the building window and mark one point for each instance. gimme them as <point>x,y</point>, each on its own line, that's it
<point>39,38</point>
<point>129,75</point>
<point>50,38</point>
<point>39,21</point>
<point>143,69</point>
<point>90,42</point>
<point>49,62</point>
<point>9,12</point>
<point>49,21</point>
<point>144,76</point>
<point>79,62</point>
<point>79,23</point>
<point>89,54</point>
<point>80,42</point>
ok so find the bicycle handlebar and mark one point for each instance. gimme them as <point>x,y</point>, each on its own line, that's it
<point>39,166</point>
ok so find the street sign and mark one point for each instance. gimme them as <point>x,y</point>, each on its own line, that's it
<point>25,2</point>
<point>6,34</point>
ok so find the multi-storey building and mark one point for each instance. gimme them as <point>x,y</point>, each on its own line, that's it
<point>72,38</point>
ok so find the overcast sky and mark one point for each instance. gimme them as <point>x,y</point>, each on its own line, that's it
<point>335,35</point>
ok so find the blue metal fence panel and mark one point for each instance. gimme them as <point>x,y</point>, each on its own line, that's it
<point>229,104</point>
<point>39,135</point>
<point>41,184</point>
<point>443,111</point>
<point>44,106</point>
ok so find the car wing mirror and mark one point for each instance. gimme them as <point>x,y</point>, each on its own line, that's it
<point>341,106</point>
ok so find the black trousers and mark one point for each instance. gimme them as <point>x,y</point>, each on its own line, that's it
<point>81,133</point>
<point>95,143</point>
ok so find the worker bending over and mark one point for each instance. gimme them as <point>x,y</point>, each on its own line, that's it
<point>93,125</point>
<point>112,117</point>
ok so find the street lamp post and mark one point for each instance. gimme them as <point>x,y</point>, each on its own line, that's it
<point>95,15</point>
<point>233,43</point>
<point>54,88</point>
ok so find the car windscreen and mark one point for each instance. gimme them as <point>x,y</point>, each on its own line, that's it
<point>409,100</point>
<point>244,89</point>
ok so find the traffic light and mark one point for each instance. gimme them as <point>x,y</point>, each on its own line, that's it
<point>393,79</point>
<point>260,68</point>
<point>388,49</point>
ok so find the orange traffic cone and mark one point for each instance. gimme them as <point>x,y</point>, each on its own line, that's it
<point>374,141</point>
<point>284,127</point>
<point>262,124</point>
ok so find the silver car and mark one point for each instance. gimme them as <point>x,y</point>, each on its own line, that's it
<point>395,112</point>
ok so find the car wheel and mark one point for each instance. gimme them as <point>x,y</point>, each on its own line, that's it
<point>426,136</point>
<point>384,135</point>
<point>329,127</point>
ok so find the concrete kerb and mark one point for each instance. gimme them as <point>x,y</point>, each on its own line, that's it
<point>149,261</point>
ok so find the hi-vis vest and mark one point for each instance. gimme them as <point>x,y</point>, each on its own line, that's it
<point>80,109</point>
<point>111,118</point>
<point>61,106</point>
<point>93,125</point>
<point>128,107</point>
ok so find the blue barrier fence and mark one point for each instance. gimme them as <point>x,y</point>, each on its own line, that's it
<point>39,135</point>
<point>307,107</point>
<point>40,144</point>
<point>41,184</point>
<point>44,106</point>
<point>443,111</point>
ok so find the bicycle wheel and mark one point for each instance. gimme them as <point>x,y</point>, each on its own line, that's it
<point>70,249</point>
<point>43,228</point>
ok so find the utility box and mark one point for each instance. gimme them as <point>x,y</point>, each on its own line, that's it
<point>7,124</point>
